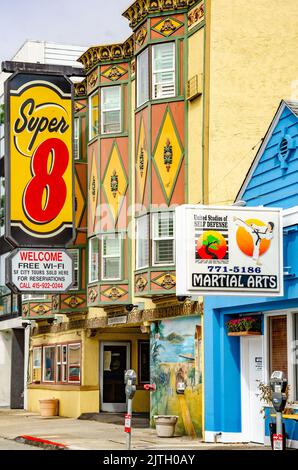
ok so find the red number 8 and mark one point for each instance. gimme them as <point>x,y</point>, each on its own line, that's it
<point>50,181</point>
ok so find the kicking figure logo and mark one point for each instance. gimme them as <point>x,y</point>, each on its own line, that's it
<point>254,237</point>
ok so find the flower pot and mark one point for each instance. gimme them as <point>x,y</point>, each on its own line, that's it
<point>49,407</point>
<point>165,425</point>
<point>244,333</point>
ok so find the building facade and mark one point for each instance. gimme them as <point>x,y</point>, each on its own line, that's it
<point>236,368</point>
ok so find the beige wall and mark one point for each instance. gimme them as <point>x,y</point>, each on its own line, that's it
<point>252,52</point>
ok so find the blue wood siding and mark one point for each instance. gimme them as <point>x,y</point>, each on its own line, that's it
<point>271,185</point>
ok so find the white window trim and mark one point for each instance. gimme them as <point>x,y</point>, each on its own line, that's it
<point>44,362</point>
<point>90,258</point>
<point>290,337</point>
<point>146,51</point>
<point>103,257</point>
<point>64,363</point>
<point>137,242</point>
<point>154,239</point>
<point>90,116</point>
<point>39,348</point>
<point>154,72</point>
<point>69,365</point>
<point>76,137</point>
<point>102,110</point>
<point>77,251</point>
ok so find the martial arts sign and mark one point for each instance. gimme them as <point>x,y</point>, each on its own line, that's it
<point>258,233</point>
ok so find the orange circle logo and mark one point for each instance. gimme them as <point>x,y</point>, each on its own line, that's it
<point>211,245</point>
<point>245,240</point>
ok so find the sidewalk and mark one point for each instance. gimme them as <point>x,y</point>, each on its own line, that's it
<point>93,435</point>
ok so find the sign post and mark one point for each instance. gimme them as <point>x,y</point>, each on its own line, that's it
<point>229,251</point>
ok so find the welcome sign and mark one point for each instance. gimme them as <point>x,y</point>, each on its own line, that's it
<point>229,251</point>
<point>39,164</point>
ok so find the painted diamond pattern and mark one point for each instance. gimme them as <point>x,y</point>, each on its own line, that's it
<point>142,161</point>
<point>114,73</point>
<point>167,26</point>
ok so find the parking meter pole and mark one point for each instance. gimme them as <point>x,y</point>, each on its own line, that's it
<point>278,384</point>
<point>278,423</point>
<point>129,412</point>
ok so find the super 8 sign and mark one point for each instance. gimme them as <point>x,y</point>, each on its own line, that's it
<point>38,159</point>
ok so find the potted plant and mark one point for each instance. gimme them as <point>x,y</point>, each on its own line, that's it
<point>165,425</point>
<point>244,326</point>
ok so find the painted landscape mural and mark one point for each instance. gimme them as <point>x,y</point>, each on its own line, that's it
<point>176,369</point>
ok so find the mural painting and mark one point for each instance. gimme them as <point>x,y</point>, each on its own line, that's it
<point>177,372</point>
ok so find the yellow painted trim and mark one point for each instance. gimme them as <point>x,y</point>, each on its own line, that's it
<point>73,388</point>
<point>294,416</point>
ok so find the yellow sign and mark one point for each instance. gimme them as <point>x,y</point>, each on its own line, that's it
<point>40,206</point>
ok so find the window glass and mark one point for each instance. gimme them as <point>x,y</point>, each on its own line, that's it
<point>163,238</point>
<point>111,109</point>
<point>278,344</point>
<point>142,78</point>
<point>93,115</point>
<point>74,362</point>
<point>111,257</point>
<point>76,133</point>
<point>36,358</point>
<point>93,259</point>
<point>76,259</point>
<point>163,70</point>
<point>142,240</point>
<point>49,364</point>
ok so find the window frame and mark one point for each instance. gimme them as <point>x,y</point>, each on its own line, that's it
<point>154,217</point>
<point>103,257</point>
<point>91,136</point>
<point>102,110</point>
<point>153,72</point>
<point>44,348</point>
<point>76,267</point>
<point>91,281</point>
<point>63,364</point>
<point>146,51</point>
<point>69,364</point>
<point>76,138</point>
<point>145,216</point>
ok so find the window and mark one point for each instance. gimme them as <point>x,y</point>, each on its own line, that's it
<point>74,362</point>
<point>93,115</point>
<point>111,109</point>
<point>142,242</point>
<point>278,348</point>
<point>76,261</point>
<point>142,78</point>
<point>61,365</point>
<point>144,362</point>
<point>93,259</point>
<point>163,238</point>
<point>49,363</point>
<point>111,257</point>
<point>36,365</point>
<point>34,297</point>
<point>163,70</point>
<point>76,137</point>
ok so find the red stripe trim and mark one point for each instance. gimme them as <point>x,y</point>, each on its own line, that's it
<point>43,441</point>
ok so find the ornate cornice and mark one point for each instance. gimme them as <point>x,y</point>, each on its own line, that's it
<point>140,9</point>
<point>97,54</point>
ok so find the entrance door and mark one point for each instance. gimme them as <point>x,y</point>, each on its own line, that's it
<point>252,375</point>
<point>115,360</point>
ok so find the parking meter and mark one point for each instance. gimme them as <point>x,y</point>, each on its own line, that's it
<point>130,379</point>
<point>278,384</point>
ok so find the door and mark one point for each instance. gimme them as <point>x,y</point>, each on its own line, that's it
<point>115,360</point>
<point>252,375</point>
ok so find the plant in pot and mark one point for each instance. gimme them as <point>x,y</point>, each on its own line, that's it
<point>244,326</point>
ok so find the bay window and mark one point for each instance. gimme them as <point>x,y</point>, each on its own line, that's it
<point>111,109</point>
<point>93,115</point>
<point>142,242</point>
<point>93,259</point>
<point>163,70</point>
<point>111,257</point>
<point>163,231</point>
<point>61,363</point>
<point>142,77</point>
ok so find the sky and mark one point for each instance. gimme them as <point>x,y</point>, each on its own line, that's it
<point>80,22</point>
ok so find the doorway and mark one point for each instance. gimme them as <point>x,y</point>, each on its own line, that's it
<point>114,361</point>
<point>252,373</point>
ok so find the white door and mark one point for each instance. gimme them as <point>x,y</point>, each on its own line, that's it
<point>252,374</point>
<point>115,360</point>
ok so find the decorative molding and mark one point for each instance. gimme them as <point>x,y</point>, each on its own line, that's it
<point>140,36</point>
<point>114,293</point>
<point>80,89</point>
<point>97,54</point>
<point>114,183</point>
<point>55,302</point>
<point>92,294</point>
<point>140,9</point>
<point>196,15</point>
<point>73,301</point>
<point>141,283</point>
<point>40,309</point>
<point>78,106</point>
<point>167,26</point>
<point>114,73</point>
<point>168,154</point>
<point>92,80</point>
<point>166,281</point>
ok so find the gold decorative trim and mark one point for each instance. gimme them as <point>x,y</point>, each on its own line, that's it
<point>140,36</point>
<point>141,283</point>
<point>97,54</point>
<point>140,9</point>
<point>80,89</point>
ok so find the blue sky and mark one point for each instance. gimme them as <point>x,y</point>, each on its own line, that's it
<point>82,22</point>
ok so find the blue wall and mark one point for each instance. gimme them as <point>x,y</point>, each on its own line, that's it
<point>269,185</point>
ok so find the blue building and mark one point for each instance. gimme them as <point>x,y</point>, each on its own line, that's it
<point>236,366</point>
